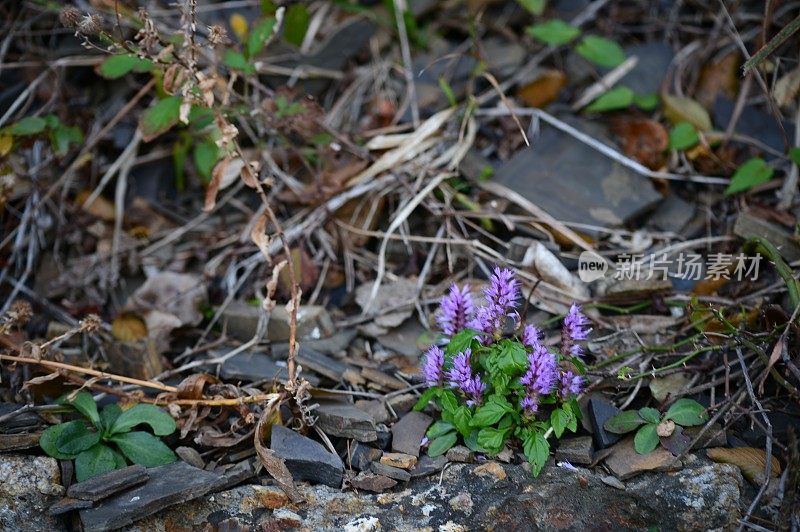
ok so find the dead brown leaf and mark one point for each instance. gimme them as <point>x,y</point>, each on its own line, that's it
<point>274,465</point>
<point>128,327</point>
<point>543,90</point>
<point>100,207</point>
<point>750,460</point>
<point>718,77</point>
<point>224,175</point>
<point>642,139</point>
<point>192,386</point>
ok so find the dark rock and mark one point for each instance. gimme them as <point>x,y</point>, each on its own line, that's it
<point>405,339</point>
<point>654,60</point>
<point>591,188</point>
<point>18,442</point>
<point>752,122</point>
<point>361,456</point>
<point>23,420</point>
<point>371,482</point>
<point>384,440</point>
<point>575,450</point>
<point>334,344</point>
<point>673,214</point>
<point>170,484</point>
<point>107,484</point>
<point>346,421</point>
<point>403,403</point>
<point>305,458</point>
<point>409,431</point>
<point>241,322</point>
<point>749,226</point>
<point>427,466</point>
<point>315,361</point>
<point>374,408</point>
<point>391,472</point>
<point>599,411</point>
<point>703,496</point>
<point>67,505</point>
<point>460,453</point>
<point>29,485</point>
<point>715,436</point>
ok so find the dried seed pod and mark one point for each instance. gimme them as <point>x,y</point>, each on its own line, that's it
<point>90,25</point>
<point>69,17</point>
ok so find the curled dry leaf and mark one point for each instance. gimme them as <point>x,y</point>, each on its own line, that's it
<point>274,465</point>
<point>787,88</point>
<point>192,386</point>
<point>643,139</point>
<point>174,78</point>
<point>259,236</point>
<point>544,89</point>
<point>224,174</point>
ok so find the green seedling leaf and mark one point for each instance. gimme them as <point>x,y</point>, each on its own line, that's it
<point>442,444</point>
<point>30,125</point>
<point>256,40</point>
<point>47,441</point>
<point>600,51</point>
<point>561,419</point>
<point>160,118</point>
<point>439,429</point>
<point>449,401</point>
<point>84,403</point>
<point>117,66</point>
<point>794,155</point>
<point>537,451</point>
<point>683,136</point>
<point>646,102</point>
<point>448,91</point>
<point>554,32</point>
<point>76,438</point>
<point>491,412</point>
<point>206,154</point>
<point>237,61</point>
<point>679,109</point>
<point>108,416</point>
<point>534,6</point>
<point>618,98</point>
<point>94,461</point>
<point>752,173</point>
<point>624,422</point>
<point>425,398</point>
<point>295,24</point>
<point>462,419</point>
<point>62,136</point>
<point>687,412</point>
<point>646,439</point>
<point>144,449</point>
<point>160,422</point>
<point>492,439</point>
<point>651,415</point>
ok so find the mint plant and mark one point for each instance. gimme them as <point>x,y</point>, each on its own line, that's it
<point>492,388</point>
<point>105,443</point>
<point>651,426</point>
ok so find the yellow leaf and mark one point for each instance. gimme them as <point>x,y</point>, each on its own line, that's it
<point>100,207</point>
<point>128,328</point>
<point>6,141</point>
<point>239,26</point>
<point>749,459</point>
<point>682,109</point>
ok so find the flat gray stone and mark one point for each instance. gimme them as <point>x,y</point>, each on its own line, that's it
<point>346,421</point>
<point>374,408</point>
<point>305,458</point>
<point>460,453</point>
<point>372,482</point>
<point>654,60</point>
<point>575,183</point>
<point>361,456</point>
<point>391,472</point>
<point>169,484</point>
<point>241,322</point>
<point>428,466</point>
<point>67,505</point>
<point>749,226</point>
<point>407,433</point>
<point>579,451</point>
<point>107,484</point>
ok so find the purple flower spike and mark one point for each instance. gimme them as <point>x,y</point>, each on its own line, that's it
<point>475,389</point>
<point>575,330</point>
<point>529,404</point>
<point>455,310</point>
<point>542,374</point>
<point>501,301</point>
<point>432,370</point>
<point>571,384</point>
<point>461,373</point>
<point>531,337</point>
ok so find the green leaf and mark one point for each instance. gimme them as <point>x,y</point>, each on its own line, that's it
<point>562,418</point>
<point>257,39</point>
<point>117,66</point>
<point>426,397</point>
<point>471,441</point>
<point>460,342</point>
<point>442,444</point>
<point>687,412</point>
<point>119,460</point>
<point>618,98</point>
<point>512,357</point>
<point>646,439</point>
<point>752,173</point>
<point>47,441</point>
<point>554,32</point>
<point>683,136</point>
<point>30,125</point>
<point>794,155</point>
<point>461,419</point>
<point>144,449</point>
<point>537,451</point>
<point>108,416</point>
<point>84,403</point>
<point>237,61</point>
<point>295,24</point>
<point>448,91</point>
<point>161,422</point>
<point>679,109</point>
<point>206,155</point>
<point>76,438</point>
<point>62,136</point>
<point>94,461</point>
<point>439,428</point>
<point>623,422</point>
<point>534,6</point>
<point>492,439</point>
<point>600,51</point>
<point>651,415</point>
<point>496,407</point>
<point>647,102</point>
<point>449,401</point>
<point>160,118</point>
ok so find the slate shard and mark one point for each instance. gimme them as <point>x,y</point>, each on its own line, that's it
<point>305,458</point>
<point>407,433</point>
<point>107,484</point>
<point>599,411</point>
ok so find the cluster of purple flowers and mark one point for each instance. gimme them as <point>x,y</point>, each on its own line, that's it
<point>543,376</point>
